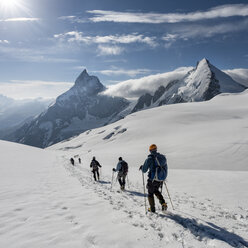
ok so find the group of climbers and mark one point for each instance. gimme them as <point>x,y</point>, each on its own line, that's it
<point>155,165</point>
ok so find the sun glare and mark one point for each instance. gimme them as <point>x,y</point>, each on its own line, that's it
<point>10,4</point>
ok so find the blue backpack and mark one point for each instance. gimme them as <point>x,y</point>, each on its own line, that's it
<point>161,168</point>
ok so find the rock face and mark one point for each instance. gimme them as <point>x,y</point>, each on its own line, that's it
<point>200,84</point>
<point>77,110</point>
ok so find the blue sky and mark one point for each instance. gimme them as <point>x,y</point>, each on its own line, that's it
<point>45,44</point>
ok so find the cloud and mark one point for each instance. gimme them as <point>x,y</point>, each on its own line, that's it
<point>130,73</point>
<point>75,36</point>
<point>109,50</point>
<point>22,89</point>
<point>240,75</point>
<point>41,55</point>
<point>73,19</point>
<point>20,19</point>
<point>67,17</point>
<point>170,37</point>
<point>134,88</point>
<point>185,32</point>
<point>4,42</point>
<point>209,31</point>
<point>222,11</point>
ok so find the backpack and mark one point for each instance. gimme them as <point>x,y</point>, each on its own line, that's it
<point>161,168</point>
<point>94,165</point>
<point>124,167</point>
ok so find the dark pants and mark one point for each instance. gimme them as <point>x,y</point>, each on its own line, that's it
<point>153,189</point>
<point>96,172</point>
<point>122,179</point>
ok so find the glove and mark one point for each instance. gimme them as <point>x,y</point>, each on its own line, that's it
<point>114,169</point>
<point>140,168</point>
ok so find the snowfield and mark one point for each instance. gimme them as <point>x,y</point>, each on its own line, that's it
<point>47,202</point>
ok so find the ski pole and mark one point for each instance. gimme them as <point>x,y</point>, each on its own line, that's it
<point>112,179</point>
<point>169,195</point>
<point>144,191</point>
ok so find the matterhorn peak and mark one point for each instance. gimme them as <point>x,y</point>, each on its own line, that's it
<point>88,84</point>
<point>84,76</point>
<point>202,63</point>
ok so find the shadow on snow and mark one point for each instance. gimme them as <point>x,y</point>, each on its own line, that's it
<point>104,182</point>
<point>210,230</point>
<point>136,193</point>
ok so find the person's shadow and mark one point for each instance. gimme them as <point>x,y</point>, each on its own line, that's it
<point>103,182</point>
<point>209,230</point>
<point>136,193</point>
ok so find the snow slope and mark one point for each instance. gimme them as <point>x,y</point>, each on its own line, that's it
<point>203,135</point>
<point>42,205</point>
<point>45,202</point>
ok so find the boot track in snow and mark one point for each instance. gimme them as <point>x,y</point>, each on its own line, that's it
<point>183,225</point>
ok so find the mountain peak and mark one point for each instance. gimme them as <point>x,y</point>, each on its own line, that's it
<point>203,63</point>
<point>88,84</point>
<point>82,77</point>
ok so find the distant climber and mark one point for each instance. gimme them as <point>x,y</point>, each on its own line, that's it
<point>122,169</point>
<point>79,160</point>
<point>157,165</point>
<point>72,161</point>
<point>95,168</point>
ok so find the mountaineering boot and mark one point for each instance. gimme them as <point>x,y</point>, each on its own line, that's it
<point>152,204</point>
<point>122,187</point>
<point>164,206</point>
<point>151,210</point>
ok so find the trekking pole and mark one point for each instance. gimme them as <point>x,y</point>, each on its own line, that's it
<point>128,183</point>
<point>169,195</point>
<point>112,179</point>
<point>144,191</point>
<point>161,188</point>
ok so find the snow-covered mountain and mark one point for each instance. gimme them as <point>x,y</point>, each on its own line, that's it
<point>88,104</point>
<point>199,84</point>
<point>47,202</point>
<point>77,110</point>
<point>5,102</point>
<point>14,113</point>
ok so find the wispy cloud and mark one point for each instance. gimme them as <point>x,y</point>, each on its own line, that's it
<point>170,37</point>
<point>193,31</point>
<point>73,19</point>
<point>130,73</point>
<point>222,11</point>
<point>41,55</point>
<point>109,50</point>
<point>21,89</point>
<point>20,19</point>
<point>75,36</point>
<point>4,42</point>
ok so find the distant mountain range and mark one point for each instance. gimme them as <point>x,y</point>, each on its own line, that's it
<point>88,104</point>
<point>14,113</point>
